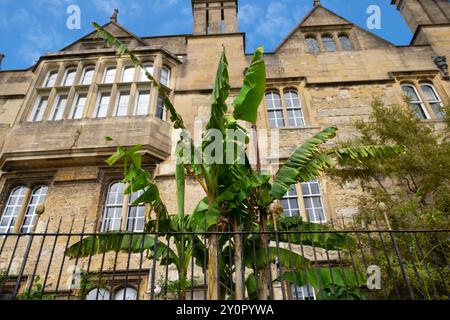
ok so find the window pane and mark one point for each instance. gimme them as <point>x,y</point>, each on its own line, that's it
<point>112,216</point>
<point>149,69</point>
<point>160,108</point>
<point>136,214</point>
<point>411,94</point>
<point>274,109</point>
<point>126,294</point>
<point>37,197</point>
<point>294,110</point>
<point>102,106</point>
<point>122,104</point>
<point>305,292</point>
<point>78,107</point>
<point>128,74</point>
<point>110,75</point>
<point>58,109</point>
<point>328,43</point>
<point>88,76</point>
<point>165,75</point>
<point>12,209</point>
<point>70,77</point>
<point>39,109</point>
<point>312,200</point>
<point>312,44</point>
<point>51,79</point>
<point>142,104</point>
<point>290,203</point>
<point>434,100</point>
<point>346,44</point>
<point>98,294</point>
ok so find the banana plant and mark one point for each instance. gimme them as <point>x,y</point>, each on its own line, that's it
<point>235,194</point>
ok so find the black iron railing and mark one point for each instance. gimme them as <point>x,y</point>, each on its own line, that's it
<point>306,264</point>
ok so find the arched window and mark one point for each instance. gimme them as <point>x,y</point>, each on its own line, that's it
<point>165,76</point>
<point>112,215</point>
<point>312,44</point>
<point>69,77</point>
<point>12,209</point>
<point>128,74</point>
<point>274,109</point>
<point>328,43</point>
<point>98,294</point>
<point>116,200</point>
<point>18,198</point>
<point>50,80</point>
<point>37,197</point>
<point>88,75</point>
<point>294,109</point>
<point>415,101</point>
<point>433,99</point>
<point>127,293</point>
<point>346,43</point>
<point>110,75</point>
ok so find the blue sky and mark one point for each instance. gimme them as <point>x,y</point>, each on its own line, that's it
<point>29,28</point>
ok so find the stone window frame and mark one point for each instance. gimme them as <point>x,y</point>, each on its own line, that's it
<point>416,82</point>
<point>346,35</point>
<point>30,183</point>
<point>317,42</point>
<point>66,73</point>
<point>158,60</point>
<point>334,32</point>
<point>330,36</point>
<point>281,90</point>
<point>52,110</point>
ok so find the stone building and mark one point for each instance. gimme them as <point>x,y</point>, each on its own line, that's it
<point>54,116</point>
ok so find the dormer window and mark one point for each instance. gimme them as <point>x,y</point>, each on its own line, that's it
<point>346,43</point>
<point>312,44</point>
<point>328,43</point>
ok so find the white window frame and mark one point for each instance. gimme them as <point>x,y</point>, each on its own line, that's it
<point>420,101</point>
<point>117,107</point>
<point>124,69</point>
<point>138,96</point>
<point>288,212</point>
<point>272,109</point>
<point>313,195</point>
<point>38,111</point>
<point>107,69</point>
<point>30,210</point>
<point>167,70</point>
<point>125,208</point>
<point>303,292</point>
<point>150,68</point>
<point>83,78</point>
<point>75,106</point>
<point>54,114</point>
<point>163,116</point>
<point>16,206</point>
<point>437,101</point>
<point>98,105</point>
<point>292,107</point>
<point>47,79</point>
<point>66,73</point>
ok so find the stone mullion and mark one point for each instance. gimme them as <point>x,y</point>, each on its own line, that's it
<point>284,107</point>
